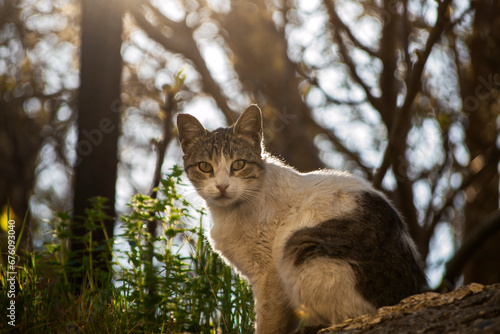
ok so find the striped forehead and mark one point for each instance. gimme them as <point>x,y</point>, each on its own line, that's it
<point>220,144</point>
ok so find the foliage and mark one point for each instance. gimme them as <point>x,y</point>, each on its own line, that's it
<point>182,287</point>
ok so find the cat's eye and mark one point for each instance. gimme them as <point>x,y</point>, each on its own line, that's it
<point>238,165</point>
<point>205,167</point>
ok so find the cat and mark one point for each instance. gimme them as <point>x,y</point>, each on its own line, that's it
<point>317,248</point>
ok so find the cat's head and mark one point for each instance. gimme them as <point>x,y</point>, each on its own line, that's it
<point>224,165</point>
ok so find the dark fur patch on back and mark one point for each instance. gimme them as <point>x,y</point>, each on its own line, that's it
<point>373,241</point>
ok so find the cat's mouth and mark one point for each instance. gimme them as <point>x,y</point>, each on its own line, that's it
<point>223,197</point>
<point>222,200</point>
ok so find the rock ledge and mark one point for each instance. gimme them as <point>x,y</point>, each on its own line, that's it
<point>474,308</point>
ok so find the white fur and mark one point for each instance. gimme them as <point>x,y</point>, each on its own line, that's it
<point>324,291</point>
<point>251,237</point>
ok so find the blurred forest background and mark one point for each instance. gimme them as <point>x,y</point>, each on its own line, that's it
<point>405,93</point>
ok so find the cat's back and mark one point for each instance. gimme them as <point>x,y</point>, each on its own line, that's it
<point>337,215</point>
<point>314,196</point>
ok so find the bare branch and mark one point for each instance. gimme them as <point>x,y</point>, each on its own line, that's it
<point>398,132</point>
<point>313,81</point>
<point>406,39</point>
<point>184,44</point>
<point>318,129</point>
<point>350,154</point>
<point>335,20</point>
<point>433,176</point>
<point>340,25</point>
<point>161,146</point>
<point>488,228</point>
<point>491,160</point>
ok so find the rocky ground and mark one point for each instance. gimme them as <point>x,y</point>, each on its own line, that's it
<point>473,308</point>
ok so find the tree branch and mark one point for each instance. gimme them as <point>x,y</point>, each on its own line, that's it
<point>488,169</point>
<point>397,138</point>
<point>340,25</point>
<point>487,229</point>
<point>161,146</point>
<point>344,150</point>
<point>313,81</point>
<point>433,176</point>
<point>188,48</point>
<point>335,21</point>
<point>406,40</point>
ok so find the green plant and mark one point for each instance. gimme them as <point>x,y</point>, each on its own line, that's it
<point>165,282</point>
<point>186,286</point>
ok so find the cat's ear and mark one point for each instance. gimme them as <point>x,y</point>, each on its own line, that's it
<point>250,123</point>
<point>189,128</point>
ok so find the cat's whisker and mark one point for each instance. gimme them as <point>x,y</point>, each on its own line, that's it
<point>193,197</point>
<point>250,197</point>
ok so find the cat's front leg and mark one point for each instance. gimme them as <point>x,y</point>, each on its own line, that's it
<point>273,312</point>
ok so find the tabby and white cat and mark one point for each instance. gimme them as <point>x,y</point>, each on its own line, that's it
<point>317,247</point>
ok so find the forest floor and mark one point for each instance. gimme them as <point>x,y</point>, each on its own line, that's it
<point>473,308</point>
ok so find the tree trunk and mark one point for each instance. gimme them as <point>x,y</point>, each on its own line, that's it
<point>20,142</point>
<point>482,106</point>
<point>98,118</point>
<point>263,66</point>
<point>20,137</point>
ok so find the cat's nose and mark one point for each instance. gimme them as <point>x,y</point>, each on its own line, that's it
<point>222,188</point>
